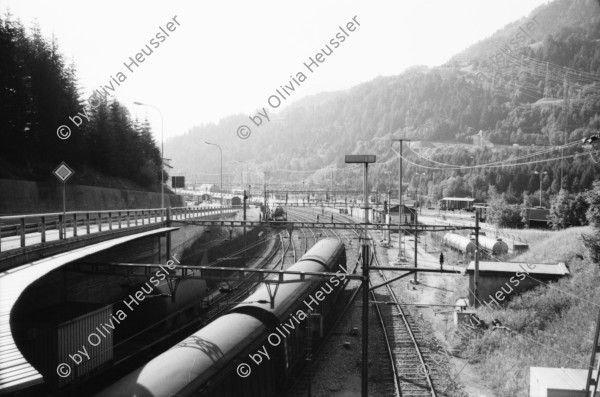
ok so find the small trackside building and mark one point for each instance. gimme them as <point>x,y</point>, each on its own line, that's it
<point>236,201</point>
<point>538,217</point>
<point>501,280</point>
<point>407,212</point>
<point>557,382</point>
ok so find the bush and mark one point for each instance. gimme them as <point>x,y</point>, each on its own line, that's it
<point>567,211</point>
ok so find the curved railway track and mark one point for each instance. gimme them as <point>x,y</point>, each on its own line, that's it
<point>415,373</point>
<point>281,258</point>
<point>241,289</point>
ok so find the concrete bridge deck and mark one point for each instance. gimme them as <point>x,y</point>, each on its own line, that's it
<point>26,238</point>
<point>15,371</point>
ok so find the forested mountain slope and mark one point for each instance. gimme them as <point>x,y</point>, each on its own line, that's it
<point>513,91</point>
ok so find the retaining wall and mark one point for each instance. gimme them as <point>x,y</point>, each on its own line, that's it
<point>23,197</point>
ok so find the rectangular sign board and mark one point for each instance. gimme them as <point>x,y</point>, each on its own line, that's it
<point>360,158</point>
<point>178,182</point>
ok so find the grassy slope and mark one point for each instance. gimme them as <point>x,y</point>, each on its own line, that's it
<point>552,325</point>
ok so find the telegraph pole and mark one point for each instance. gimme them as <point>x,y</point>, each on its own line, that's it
<point>265,203</point>
<point>400,208</point>
<point>565,89</point>
<point>476,277</point>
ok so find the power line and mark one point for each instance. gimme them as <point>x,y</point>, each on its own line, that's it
<point>493,166</point>
<point>501,163</point>
<point>544,151</point>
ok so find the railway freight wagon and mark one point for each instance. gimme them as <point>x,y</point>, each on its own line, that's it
<point>495,246</point>
<point>460,243</point>
<point>456,203</point>
<point>257,348</point>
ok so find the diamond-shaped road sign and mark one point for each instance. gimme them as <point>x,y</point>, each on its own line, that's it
<point>63,172</point>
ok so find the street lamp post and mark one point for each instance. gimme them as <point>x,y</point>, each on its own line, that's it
<point>244,203</point>
<point>540,174</point>
<point>247,174</point>
<point>303,192</point>
<point>221,186</point>
<point>162,152</point>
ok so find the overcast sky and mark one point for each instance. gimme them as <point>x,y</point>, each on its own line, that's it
<point>228,57</point>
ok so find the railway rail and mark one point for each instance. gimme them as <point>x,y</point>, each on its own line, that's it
<point>413,376</point>
<point>239,289</point>
<point>410,358</point>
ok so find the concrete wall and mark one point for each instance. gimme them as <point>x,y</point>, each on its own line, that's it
<point>20,197</point>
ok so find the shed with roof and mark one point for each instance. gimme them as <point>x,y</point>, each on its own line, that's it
<point>499,281</point>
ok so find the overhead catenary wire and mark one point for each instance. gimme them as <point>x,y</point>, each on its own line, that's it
<point>544,151</point>
<point>492,166</point>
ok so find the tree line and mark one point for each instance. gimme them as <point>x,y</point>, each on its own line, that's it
<point>38,93</point>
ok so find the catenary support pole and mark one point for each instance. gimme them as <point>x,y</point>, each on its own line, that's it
<point>476,276</point>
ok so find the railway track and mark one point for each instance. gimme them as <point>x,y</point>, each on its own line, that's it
<point>287,255</point>
<point>409,354</point>
<point>240,289</point>
<point>414,372</point>
<point>403,341</point>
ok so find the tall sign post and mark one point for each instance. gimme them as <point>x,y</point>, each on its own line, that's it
<point>63,172</point>
<point>366,257</point>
